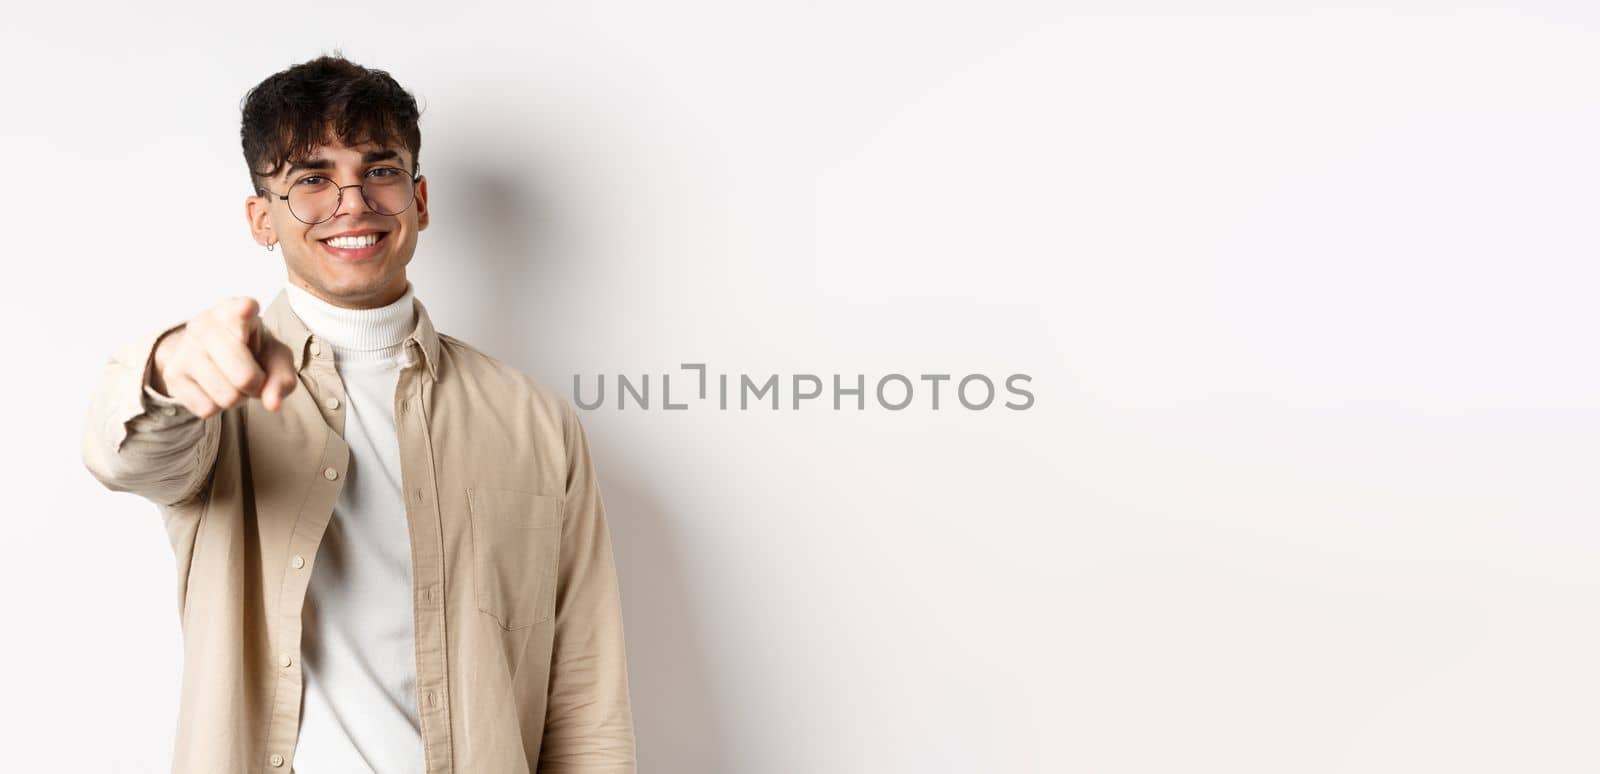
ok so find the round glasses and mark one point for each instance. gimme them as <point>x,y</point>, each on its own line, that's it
<point>315,199</point>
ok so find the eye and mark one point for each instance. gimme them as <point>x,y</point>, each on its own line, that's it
<point>384,172</point>
<point>311,180</point>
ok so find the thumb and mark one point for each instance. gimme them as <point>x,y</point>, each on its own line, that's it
<point>246,308</point>
<point>278,363</point>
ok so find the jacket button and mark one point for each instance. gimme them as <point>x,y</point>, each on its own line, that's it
<point>316,348</point>
<point>330,474</point>
<point>298,561</point>
<point>277,760</point>
<point>332,403</point>
<point>284,661</point>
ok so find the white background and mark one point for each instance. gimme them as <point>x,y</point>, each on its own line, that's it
<point>1306,292</point>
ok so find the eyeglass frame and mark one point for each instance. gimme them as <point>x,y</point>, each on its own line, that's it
<point>416,175</point>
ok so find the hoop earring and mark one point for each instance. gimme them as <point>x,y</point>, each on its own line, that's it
<point>271,245</point>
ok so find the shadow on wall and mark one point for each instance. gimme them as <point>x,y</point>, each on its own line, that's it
<point>518,249</point>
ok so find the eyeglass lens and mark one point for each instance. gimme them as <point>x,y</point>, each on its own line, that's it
<point>315,198</point>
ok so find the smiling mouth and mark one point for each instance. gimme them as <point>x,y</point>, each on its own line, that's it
<point>355,242</point>
<point>355,247</point>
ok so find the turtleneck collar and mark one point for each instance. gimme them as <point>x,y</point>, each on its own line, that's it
<point>356,334</point>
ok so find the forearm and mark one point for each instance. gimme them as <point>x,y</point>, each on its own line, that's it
<point>136,439</point>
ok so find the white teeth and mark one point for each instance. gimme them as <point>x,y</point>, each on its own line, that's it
<point>351,242</point>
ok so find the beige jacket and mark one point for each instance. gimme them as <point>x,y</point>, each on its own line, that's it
<point>520,659</point>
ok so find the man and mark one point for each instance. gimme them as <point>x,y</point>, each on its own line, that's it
<point>396,557</point>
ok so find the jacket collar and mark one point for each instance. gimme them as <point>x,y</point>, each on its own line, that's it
<point>287,327</point>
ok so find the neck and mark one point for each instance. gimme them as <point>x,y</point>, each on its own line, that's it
<point>356,334</point>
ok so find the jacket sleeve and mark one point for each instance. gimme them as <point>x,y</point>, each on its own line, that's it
<point>138,440</point>
<point>588,724</point>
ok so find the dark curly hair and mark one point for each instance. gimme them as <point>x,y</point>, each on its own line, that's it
<point>293,111</point>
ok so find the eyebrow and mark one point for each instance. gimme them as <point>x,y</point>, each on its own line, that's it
<point>319,163</point>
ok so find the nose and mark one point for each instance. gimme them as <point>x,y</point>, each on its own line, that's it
<point>361,201</point>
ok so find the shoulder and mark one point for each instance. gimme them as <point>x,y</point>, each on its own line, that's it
<point>490,378</point>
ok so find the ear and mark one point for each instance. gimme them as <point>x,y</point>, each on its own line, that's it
<point>422,203</point>
<point>257,214</point>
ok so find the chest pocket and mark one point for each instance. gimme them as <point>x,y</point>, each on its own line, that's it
<point>516,544</point>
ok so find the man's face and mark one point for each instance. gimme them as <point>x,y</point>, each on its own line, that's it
<point>355,277</point>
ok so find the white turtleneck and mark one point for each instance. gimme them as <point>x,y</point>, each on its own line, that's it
<point>358,654</point>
